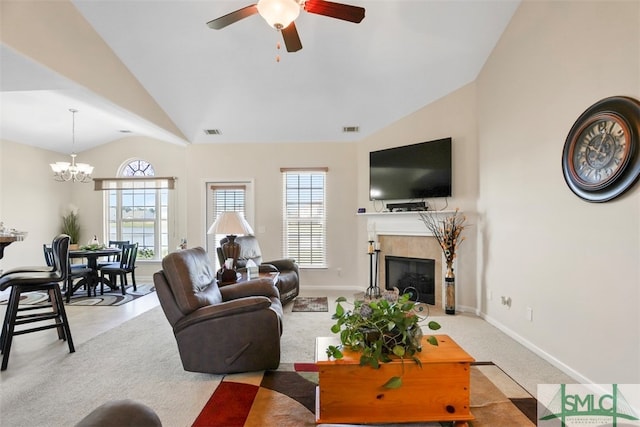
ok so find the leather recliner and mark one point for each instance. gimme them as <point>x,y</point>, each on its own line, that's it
<point>288,281</point>
<point>235,328</point>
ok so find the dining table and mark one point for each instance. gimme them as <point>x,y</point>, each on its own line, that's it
<point>92,255</point>
<point>7,238</point>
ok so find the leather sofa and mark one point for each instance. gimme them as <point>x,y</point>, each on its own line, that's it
<point>235,328</point>
<point>288,282</point>
<point>121,413</point>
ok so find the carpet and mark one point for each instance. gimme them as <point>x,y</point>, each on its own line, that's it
<point>310,304</point>
<point>110,298</point>
<point>286,398</point>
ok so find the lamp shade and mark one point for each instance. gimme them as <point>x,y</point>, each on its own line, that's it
<point>230,223</point>
<point>279,13</point>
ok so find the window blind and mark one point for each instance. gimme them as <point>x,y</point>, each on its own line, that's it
<point>304,216</point>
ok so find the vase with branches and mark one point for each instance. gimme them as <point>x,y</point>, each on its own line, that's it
<point>448,232</point>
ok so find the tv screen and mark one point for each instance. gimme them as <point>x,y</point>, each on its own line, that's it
<point>416,171</point>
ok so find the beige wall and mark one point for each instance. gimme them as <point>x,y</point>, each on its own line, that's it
<point>261,164</point>
<point>31,201</point>
<point>575,263</point>
<point>194,166</point>
<point>454,116</point>
<point>167,160</point>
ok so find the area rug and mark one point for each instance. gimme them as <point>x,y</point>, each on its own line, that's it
<point>286,398</point>
<point>110,298</point>
<point>310,304</point>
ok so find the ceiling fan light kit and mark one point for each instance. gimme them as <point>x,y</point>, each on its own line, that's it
<point>281,15</point>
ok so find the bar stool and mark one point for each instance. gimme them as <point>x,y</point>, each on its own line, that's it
<point>37,279</point>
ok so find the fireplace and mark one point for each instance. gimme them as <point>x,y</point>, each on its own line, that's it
<point>415,276</point>
<point>423,247</point>
<point>403,234</point>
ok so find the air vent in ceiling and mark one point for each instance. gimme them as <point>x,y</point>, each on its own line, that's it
<point>350,129</point>
<point>213,132</point>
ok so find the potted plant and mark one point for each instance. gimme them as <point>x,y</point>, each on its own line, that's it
<point>381,329</point>
<point>71,226</point>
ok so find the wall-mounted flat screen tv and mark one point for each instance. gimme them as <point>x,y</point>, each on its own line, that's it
<point>416,171</point>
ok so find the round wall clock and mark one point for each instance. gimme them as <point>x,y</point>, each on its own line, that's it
<point>601,156</point>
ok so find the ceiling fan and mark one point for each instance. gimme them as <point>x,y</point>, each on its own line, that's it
<point>280,14</point>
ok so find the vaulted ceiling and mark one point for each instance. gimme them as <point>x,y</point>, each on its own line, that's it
<point>404,55</point>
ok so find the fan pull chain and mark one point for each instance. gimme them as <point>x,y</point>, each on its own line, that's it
<point>278,48</point>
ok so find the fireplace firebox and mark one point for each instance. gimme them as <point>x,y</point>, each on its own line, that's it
<point>415,276</point>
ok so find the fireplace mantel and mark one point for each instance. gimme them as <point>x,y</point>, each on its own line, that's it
<point>399,223</point>
<point>388,228</point>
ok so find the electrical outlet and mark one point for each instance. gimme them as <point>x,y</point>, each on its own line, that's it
<point>530,314</point>
<point>339,270</point>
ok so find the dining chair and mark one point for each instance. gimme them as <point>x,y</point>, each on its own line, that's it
<point>37,279</point>
<point>116,257</point>
<point>113,258</point>
<point>76,271</point>
<point>127,265</point>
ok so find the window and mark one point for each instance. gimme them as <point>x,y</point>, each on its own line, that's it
<point>225,196</point>
<point>137,210</point>
<point>304,216</point>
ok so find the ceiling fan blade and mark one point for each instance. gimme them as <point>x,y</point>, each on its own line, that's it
<point>335,10</point>
<point>291,38</point>
<point>232,17</point>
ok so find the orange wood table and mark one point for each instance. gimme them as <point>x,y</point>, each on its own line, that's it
<point>350,393</point>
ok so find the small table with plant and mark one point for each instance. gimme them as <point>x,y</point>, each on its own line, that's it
<point>381,369</point>
<point>436,391</point>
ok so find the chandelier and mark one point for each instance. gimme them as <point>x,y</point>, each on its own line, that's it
<point>76,172</point>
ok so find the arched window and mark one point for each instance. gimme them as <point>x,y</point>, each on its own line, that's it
<point>138,168</point>
<point>138,213</point>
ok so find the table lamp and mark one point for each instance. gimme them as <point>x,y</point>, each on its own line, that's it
<point>230,223</point>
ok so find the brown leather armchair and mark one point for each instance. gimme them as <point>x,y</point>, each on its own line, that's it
<point>235,328</point>
<point>288,282</point>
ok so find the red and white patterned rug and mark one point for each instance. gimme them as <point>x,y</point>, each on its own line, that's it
<point>286,398</point>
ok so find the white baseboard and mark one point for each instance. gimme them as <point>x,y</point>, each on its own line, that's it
<point>320,288</point>
<point>537,350</point>
<point>473,310</point>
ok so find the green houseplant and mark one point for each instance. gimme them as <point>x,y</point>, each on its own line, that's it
<point>381,329</point>
<point>71,225</point>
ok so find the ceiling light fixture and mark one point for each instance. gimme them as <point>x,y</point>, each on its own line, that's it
<point>279,13</point>
<point>76,172</point>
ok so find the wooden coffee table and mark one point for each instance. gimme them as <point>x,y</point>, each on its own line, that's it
<point>353,394</point>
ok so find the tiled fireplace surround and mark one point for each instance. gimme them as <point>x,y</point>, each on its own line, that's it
<point>403,234</point>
